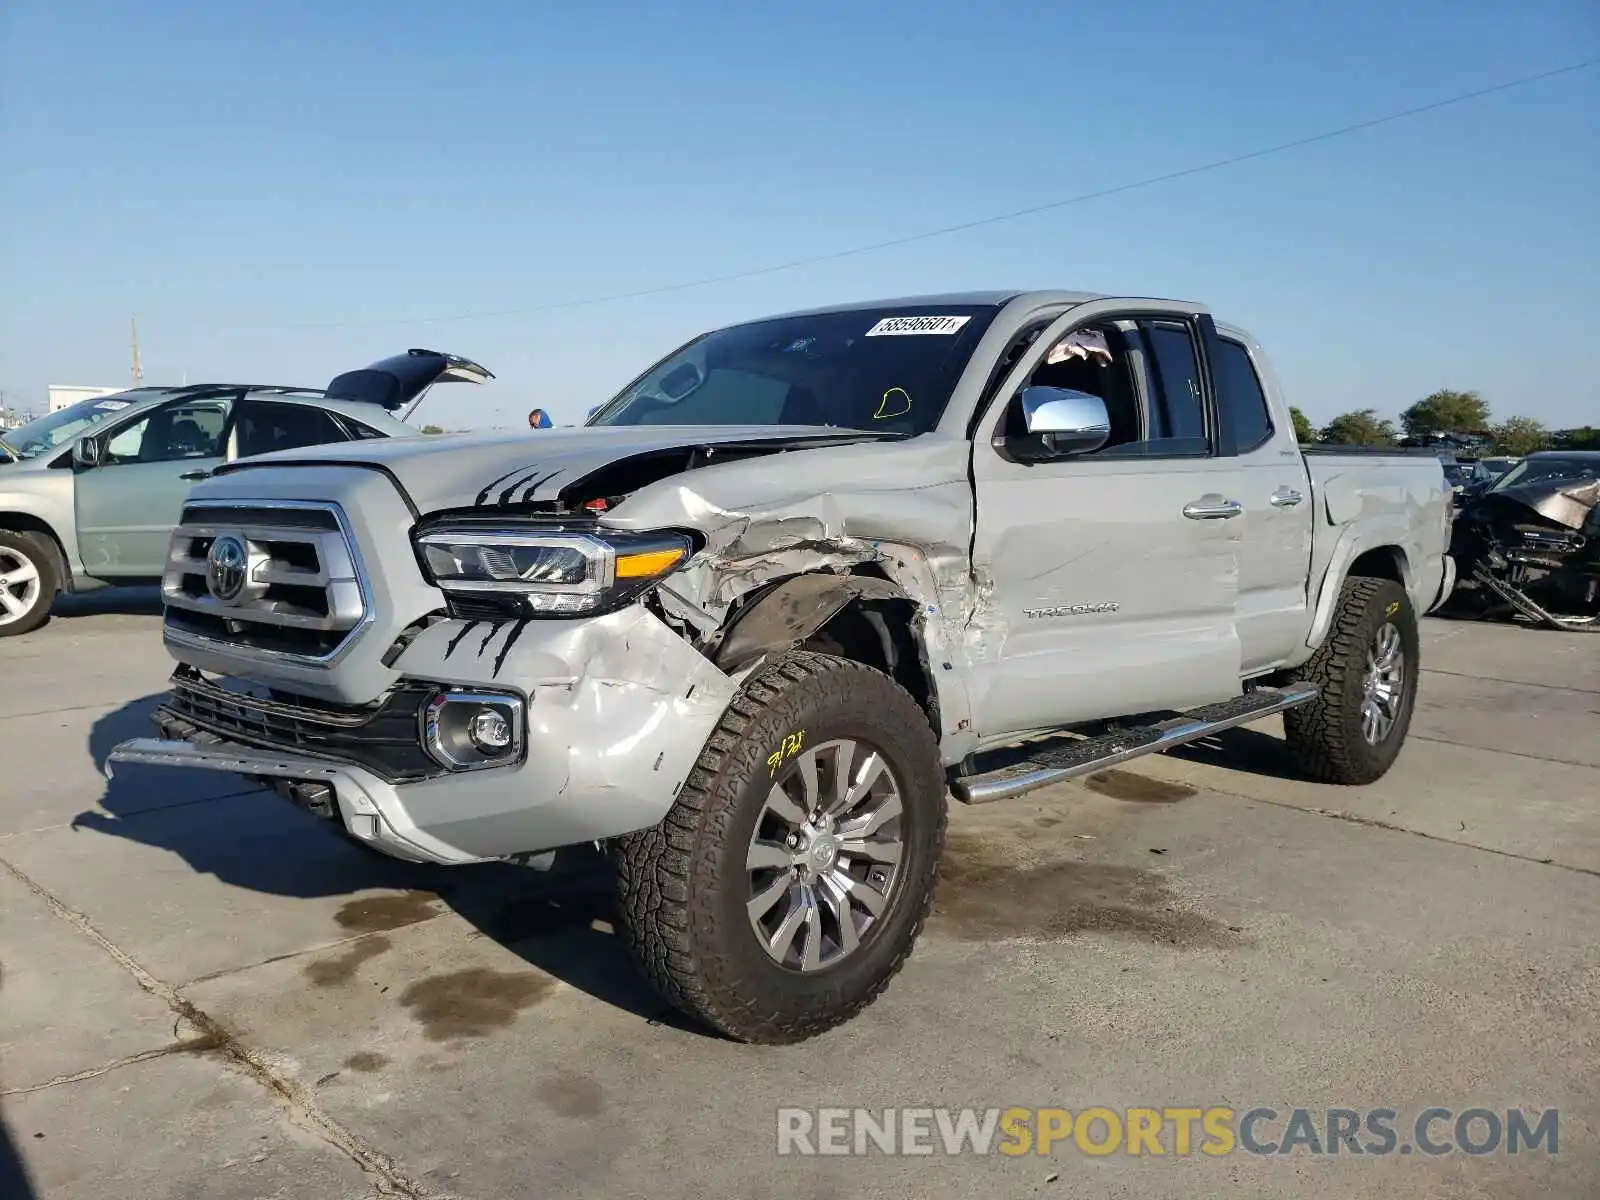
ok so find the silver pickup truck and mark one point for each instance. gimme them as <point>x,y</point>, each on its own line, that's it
<point>795,585</point>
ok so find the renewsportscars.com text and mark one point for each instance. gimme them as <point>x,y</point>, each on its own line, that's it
<point>1155,1132</point>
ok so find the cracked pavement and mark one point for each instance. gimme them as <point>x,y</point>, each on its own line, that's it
<point>206,993</point>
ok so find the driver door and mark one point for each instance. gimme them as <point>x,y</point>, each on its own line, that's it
<point>128,504</point>
<point>1111,577</point>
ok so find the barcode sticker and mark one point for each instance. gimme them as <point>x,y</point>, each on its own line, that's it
<point>906,326</point>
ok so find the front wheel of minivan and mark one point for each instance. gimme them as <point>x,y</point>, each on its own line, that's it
<point>790,880</point>
<point>28,583</point>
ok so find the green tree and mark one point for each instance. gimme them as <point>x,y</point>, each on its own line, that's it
<point>1517,436</point>
<point>1446,411</point>
<point>1362,428</point>
<point>1585,437</point>
<point>1304,430</point>
<point>431,429</point>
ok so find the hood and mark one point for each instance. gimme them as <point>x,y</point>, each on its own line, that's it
<point>395,382</point>
<point>1561,501</point>
<point>455,471</point>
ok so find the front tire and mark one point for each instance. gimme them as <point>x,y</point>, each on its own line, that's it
<point>28,583</point>
<point>789,881</point>
<point>1367,671</point>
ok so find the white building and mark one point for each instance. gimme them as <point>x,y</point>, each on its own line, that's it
<point>65,395</point>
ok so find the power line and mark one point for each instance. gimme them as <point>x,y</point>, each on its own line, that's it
<point>998,218</point>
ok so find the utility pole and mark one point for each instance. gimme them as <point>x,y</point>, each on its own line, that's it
<point>138,371</point>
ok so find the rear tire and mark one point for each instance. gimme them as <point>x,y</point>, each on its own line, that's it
<point>1366,671</point>
<point>736,909</point>
<point>28,582</point>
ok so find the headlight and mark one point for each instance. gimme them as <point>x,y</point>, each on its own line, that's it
<point>528,571</point>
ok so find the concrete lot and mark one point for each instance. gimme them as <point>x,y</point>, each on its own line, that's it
<point>205,994</point>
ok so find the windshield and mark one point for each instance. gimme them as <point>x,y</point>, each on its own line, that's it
<point>1540,470</point>
<point>66,426</point>
<point>888,370</point>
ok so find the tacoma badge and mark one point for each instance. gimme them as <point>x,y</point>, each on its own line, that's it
<point>1071,610</point>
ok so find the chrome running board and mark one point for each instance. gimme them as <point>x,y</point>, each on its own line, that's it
<point>1082,757</point>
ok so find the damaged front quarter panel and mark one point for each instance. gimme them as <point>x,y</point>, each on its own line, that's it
<point>792,539</point>
<point>618,708</point>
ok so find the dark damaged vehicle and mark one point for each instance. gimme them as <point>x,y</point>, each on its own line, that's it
<point>1531,541</point>
<point>790,589</point>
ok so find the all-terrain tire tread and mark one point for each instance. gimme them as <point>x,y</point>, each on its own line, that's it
<point>654,865</point>
<point>1318,732</point>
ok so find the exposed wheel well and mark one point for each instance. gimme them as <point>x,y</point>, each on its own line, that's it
<point>27,523</point>
<point>1381,562</point>
<point>878,633</point>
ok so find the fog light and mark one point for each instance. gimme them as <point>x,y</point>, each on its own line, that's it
<point>489,731</point>
<point>466,731</point>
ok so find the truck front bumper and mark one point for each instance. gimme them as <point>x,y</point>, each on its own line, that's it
<point>1447,585</point>
<point>617,710</point>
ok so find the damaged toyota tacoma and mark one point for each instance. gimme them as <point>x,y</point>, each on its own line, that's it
<point>790,589</point>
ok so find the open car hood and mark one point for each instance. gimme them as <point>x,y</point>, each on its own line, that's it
<point>396,382</point>
<point>1565,502</point>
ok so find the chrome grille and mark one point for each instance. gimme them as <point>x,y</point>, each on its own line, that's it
<point>384,736</point>
<point>295,587</point>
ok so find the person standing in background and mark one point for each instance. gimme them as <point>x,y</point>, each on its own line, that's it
<point>538,419</point>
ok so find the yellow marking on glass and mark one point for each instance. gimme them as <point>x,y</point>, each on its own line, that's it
<point>896,402</point>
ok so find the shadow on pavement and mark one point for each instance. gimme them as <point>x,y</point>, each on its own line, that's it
<point>14,1183</point>
<point>1242,750</point>
<point>558,921</point>
<point>128,601</point>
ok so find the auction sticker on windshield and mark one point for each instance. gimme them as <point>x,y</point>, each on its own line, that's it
<point>903,326</point>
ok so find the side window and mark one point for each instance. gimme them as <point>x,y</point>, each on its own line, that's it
<point>1094,360</point>
<point>263,428</point>
<point>1176,408</point>
<point>1240,394</point>
<point>179,431</point>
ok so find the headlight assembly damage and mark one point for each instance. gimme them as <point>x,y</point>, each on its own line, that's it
<point>528,570</point>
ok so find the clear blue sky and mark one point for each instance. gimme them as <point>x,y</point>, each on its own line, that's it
<point>285,192</point>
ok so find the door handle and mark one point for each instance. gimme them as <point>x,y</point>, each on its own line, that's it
<point>194,476</point>
<point>1212,510</point>
<point>1285,497</point>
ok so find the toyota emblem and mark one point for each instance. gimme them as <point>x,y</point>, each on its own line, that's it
<point>225,568</point>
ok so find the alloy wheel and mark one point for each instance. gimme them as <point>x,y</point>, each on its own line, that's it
<point>1383,685</point>
<point>19,585</point>
<point>824,860</point>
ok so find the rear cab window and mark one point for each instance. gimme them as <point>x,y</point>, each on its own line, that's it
<point>1240,394</point>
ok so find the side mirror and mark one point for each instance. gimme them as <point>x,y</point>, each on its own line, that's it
<point>1062,421</point>
<point>87,452</point>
